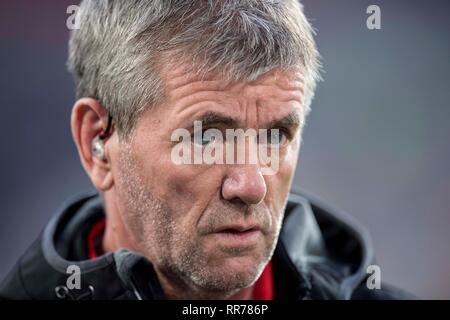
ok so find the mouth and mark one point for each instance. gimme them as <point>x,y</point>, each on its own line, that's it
<point>238,235</point>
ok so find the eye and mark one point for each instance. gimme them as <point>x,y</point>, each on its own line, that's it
<point>201,139</point>
<point>276,137</point>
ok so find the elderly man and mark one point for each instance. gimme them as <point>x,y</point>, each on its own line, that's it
<point>160,228</point>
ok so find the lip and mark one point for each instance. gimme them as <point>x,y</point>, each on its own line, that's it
<point>238,235</point>
<point>238,227</point>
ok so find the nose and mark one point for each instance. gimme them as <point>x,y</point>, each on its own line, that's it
<point>245,183</point>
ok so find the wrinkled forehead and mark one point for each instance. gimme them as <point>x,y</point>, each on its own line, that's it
<point>273,87</point>
<point>176,74</point>
<point>191,96</point>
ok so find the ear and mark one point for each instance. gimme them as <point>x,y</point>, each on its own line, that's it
<point>89,119</point>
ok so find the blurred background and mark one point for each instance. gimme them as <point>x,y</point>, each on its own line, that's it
<point>376,144</point>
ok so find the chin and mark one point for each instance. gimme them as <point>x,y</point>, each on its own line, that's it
<point>237,272</point>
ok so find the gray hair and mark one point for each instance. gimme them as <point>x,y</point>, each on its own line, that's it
<point>117,53</point>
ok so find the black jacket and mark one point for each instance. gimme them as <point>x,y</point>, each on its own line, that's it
<point>320,255</point>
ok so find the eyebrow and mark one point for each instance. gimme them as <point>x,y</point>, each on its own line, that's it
<point>213,118</point>
<point>291,120</point>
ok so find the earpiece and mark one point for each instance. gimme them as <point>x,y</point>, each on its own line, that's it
<point>98,144</point>
<point>98,148</point>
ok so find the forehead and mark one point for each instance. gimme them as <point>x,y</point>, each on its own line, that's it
<point>178,82</point>
<point>251,103</point>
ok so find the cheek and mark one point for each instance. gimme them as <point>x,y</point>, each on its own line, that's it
<point>278,185</point>
<point>185,189</point>
<point>288,165</point>
<point>291,154</point>
<point>191,189</point>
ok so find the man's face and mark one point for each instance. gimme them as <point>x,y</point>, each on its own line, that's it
<point>210,226</point>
